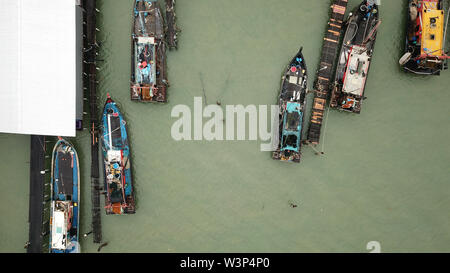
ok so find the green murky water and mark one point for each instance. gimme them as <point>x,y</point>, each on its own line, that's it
<point>384,176</point>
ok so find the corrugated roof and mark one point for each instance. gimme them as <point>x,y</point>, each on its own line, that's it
<point>38,67</point>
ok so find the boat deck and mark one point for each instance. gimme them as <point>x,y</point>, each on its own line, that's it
<point>358,66</point>
<point>151,25</point>
<point>65,174</point>
<point>433,32</point>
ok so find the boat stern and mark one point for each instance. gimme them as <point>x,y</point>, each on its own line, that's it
<point>290,144</point>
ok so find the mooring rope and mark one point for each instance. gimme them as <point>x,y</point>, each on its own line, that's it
<point>446,25</point>
<point>324,130</point>
<point>42,144</point>
<point>314,149</point>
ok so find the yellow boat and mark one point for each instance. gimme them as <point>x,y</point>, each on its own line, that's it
<point>425,53</point>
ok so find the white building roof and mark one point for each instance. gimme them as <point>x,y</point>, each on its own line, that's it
<point>38,67</point>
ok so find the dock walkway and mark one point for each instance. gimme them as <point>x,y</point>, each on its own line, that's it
<point>36,203</point>
<point>90,82</point>
<point>325,72</point>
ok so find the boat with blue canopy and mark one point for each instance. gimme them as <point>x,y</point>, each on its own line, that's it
<point>292,105</point>
<point>65,199</point>
<point>119,197</point>
<point>148,50</point>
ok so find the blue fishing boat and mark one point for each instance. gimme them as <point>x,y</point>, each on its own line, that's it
<point>292,103</point>
<point>119,197</point>
<point>148,53</point>
<point>65,199</point>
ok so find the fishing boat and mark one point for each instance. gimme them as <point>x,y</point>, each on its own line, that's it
<point>148,49</point>
<point>119,196</point>
<point>171,25</point>
<point>355,57</point>
<point>425,39</point>
<point>292,105</point>
<point>65,199</point>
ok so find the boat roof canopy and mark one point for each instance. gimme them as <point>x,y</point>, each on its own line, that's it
<point>59,230</point>
<point>146,40</point>
<point>433,32</point>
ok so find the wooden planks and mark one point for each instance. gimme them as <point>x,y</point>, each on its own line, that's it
<point>90,69</point>
<point>324,74</point>
<point>36,204</point>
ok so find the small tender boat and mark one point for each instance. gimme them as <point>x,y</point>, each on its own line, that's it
<point>292,105</point>
<point>119,197</point>
<point>425,39</point>
<point>355,57</point>
<point>148,63</point>
<point>171,26</point>
<point>65,199</point>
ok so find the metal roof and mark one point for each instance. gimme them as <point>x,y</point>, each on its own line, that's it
<point>38,67</point>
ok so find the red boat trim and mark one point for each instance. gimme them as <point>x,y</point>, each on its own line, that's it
<point>346,67</point>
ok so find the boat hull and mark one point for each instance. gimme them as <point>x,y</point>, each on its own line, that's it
<point>292,105</point>
<point>119,197</point>
<point>171,25</point>
<point>148,54</point>
<point>355,58</point>
<point>412,60</point>
<point>65,199</point>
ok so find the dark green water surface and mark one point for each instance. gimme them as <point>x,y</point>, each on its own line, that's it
<point>384,175</point>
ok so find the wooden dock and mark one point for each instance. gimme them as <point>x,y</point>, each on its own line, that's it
<point>90,82</point>
<point>37,185</point>
<point>323,81</point>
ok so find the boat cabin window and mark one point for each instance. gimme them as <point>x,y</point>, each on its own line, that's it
<point>291,140</point>
<point>433,21</point>
<point>116,195</point>
<point>116,133</point>
<point>292,121</point>
<point>294,79</point>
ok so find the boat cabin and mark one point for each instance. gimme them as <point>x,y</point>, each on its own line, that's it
<point>356,73</point>
<point>114,130</point>
<point>60,224</point>
<point>295,79</point>
<point>292,124</point>
<point>433,31</point>
<point>114,178</point>
<point>145,68</point>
